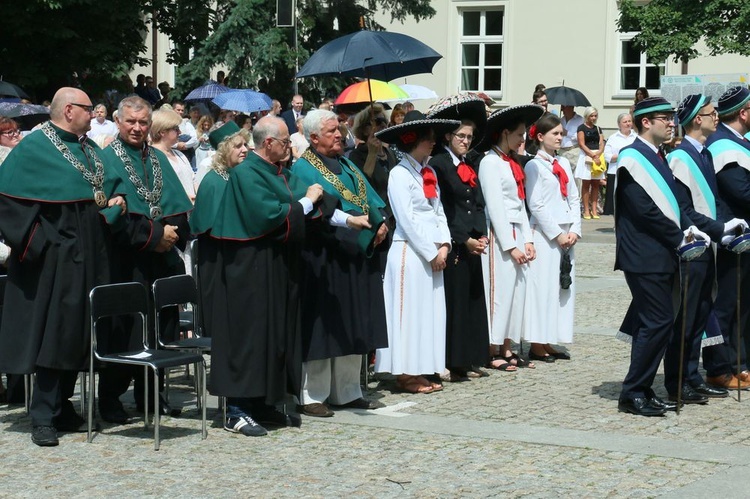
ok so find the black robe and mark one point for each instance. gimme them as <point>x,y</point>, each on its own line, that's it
<point>59,243</point>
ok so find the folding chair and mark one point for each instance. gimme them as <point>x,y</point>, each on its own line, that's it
<point>130,299</point>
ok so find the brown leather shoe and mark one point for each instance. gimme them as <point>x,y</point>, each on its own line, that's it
<point>744,376</point>
<point>728,381</point>
<point>316,410</point>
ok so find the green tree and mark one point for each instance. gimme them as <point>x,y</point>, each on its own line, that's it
<point>84,43</point>
<point>244,38</point>
<point>673,28</point>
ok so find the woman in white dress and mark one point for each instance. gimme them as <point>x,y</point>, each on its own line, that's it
<point>413,284</point>
<point>554,206</point>
<point>506,262</point>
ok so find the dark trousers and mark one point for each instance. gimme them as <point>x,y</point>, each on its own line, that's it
<point>698,307</point>
<point>652,304</point>
<point>609,198</point>
<point>725,309</point>
<point>52,389</point>
<point>114,381</point>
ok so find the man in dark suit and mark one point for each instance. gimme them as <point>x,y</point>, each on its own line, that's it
<point>290,115</point>
<point>731,156</point>
<point>649,228</point>
<point>693,170</point>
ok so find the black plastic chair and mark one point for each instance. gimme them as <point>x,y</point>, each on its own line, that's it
<point>130,299</point>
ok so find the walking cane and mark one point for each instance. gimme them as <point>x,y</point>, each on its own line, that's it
<point>682,334</point>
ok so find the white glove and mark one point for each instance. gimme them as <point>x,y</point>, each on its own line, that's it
<point>695,234</point>
<point>732,225</point>
<point>4,253</point>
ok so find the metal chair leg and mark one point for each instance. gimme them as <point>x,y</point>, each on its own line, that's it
<point>157,409</point>
<point>145,396</point>
<point>204,396</point>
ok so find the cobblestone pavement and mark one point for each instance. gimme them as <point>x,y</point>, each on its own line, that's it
<point>549,432</point>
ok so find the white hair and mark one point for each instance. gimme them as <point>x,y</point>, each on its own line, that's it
<point>314,121</point>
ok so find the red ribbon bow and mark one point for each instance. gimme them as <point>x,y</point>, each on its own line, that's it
<point>429,183</point>
<point>559,171</point>
<point>518,174</point>
<point>467,174</point>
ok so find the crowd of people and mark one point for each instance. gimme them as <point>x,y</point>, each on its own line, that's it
<point>431,244</point>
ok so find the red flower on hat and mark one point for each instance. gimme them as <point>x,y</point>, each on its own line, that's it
<point>408,137</point>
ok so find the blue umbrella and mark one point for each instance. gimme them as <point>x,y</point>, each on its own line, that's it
<point>380,55</point>
<point>206,92</point>
<point>244,101</point>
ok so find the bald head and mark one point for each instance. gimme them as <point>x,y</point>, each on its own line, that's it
<point>70,110</point>
<point>275,129</point>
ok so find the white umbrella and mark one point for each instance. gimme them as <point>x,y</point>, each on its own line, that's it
<point>417,92</point>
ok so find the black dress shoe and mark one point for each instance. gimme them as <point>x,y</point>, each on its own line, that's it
<point>44,436</point>
<point>270,416</point>
<point>710,391</point>
<point>640,406</point>
<point>363,403</point>
<point>690,396</point>
<point>164,408</point>
<point>112,411</point>
<point>561,355</point>
<point>660,403</point>
<point>544,358</point>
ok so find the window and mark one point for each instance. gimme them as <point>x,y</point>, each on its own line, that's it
<point>481,40</point>
<point>635,71</point>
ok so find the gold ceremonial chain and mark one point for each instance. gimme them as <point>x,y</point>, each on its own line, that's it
<point>359,200</point>
<point>152,197</point>
<point>96,179</point>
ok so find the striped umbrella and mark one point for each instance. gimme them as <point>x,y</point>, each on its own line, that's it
<point>361,92</point>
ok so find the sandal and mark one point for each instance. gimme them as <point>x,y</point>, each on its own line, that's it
<point>518,361</point>
<point>505,366</point>
<point>413,385</point>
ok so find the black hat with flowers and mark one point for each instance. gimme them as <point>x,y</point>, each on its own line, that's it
<point>406,133</point>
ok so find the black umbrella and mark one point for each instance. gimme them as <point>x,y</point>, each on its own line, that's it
<point>8,89</point>
<point>566,96</point>
<point>27,115</point>
<point>380,55</point>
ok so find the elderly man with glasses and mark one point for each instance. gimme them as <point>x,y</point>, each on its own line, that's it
<point>55,206</point>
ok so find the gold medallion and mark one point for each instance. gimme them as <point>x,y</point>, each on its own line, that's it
<point>100,198</point>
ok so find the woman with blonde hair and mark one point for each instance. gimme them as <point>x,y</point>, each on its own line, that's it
<point>165,132</point>
<point>591,142</point>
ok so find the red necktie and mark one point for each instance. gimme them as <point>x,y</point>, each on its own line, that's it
<point>429,183</point>
<point>559,171</point>
<point>467,174</point>
<point>517,174</point>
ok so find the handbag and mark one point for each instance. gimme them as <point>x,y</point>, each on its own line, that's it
<point>565,268</point>
<point>599,169</point>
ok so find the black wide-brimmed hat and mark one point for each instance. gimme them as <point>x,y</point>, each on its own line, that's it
<point>461,107</point>
<point>504,118</point>
<point>405,132</point>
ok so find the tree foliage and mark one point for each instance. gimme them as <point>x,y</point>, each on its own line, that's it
<point>49,44</point>
<point>673,28</point>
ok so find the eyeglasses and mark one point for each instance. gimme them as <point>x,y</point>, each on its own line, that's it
<point>713,114</point>
<point>11,133</point>
<point>668,120</point>
<point>88,108</point>
<point>463,136</point>
<point>284,142</point>
<point>175,129</point>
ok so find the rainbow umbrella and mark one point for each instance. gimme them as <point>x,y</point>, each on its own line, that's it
<point>361,92</point>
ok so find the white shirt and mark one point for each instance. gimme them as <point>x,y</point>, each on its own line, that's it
<point>614,144</point>
<point>187,128</point>
<point>549,209</point>
<point>107,128</point>
<point>184,172</point>
<point>570,139</point>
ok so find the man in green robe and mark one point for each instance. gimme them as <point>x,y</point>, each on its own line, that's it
<point>146,247</point>
<point>54,210</point>
<point>343,311</point>
<point>257,236</point>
